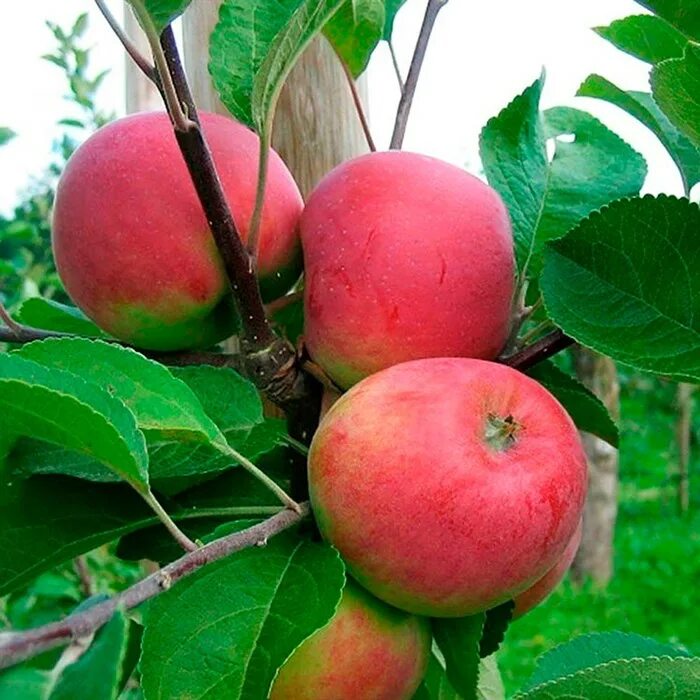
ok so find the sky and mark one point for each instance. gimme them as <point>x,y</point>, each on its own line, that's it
<point>481,56</point>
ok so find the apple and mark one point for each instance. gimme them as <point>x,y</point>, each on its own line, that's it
<point>448,485</point>
<point>368,651</point>
<point>132,244</point>
<point>534,595</point>
<point>406,257</point>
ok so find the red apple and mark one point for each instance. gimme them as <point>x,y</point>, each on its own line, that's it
<point>406,257</point>
<point>449,485</point>
<point>368,651</point>
<point>133,246</point>
<point>534,595</point>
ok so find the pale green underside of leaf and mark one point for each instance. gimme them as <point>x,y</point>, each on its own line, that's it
<point>245,616</point>
<point>641,106</point>
<point>546,199</point>
<point>646,37</point>
<point>161,403</point>
<point>52,316</point>
<point>69,412</point>
<point>675,85</point>
<point>684,15</point>
<point>625,283</point>
<point>595,649</point>
<point>633,679</point>
<point>586,410</point>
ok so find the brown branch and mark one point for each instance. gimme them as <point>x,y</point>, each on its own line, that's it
<point>172,58</point>
<point>357,100</point>
<point>20,334</point>
<point>148,69</point>
<point>551,344</point>
<point>18,646</point>
<point>409,89</point>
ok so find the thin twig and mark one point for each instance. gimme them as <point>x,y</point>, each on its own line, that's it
<point>18,646</point>
<point>81,569</point>
<point>395,62</point>
<point>178,535</point>
<point>551,344</point>
<point>26,334</point>
<point>283,302</point>
<point>358,105</point>
<point>409,90</point>
<point>256,218</point>
<point>12,325</point>
<point>147,68</point>
<point>172,58</point>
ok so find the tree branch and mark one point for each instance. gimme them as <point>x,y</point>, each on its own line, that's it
<point>409,89</point>
<point>20,334</point>
<point>18,646</point>
<point>359,108</point>
<point>551,344</point>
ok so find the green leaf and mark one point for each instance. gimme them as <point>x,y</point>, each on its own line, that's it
<point>585,408</point>
<point>52,316</point>
<point>458,640</point>
<point>245,615</point>
<point>640,679</point>
<point>354,32</point>
<point>684,15</point>
<point>641,106</point>
<point>6,135</point>
<point>307,21</point>
<point>625,283</point>
<point>25,683</point>
<point>96,675</point>
<point>547,198</point>
<point>435,685</point>
<point>162,404</point>
<point>391,9</point>
<point>490,681</point>
<point>645,37</point>
<point>161,12</point>
<point>596,649</point>
<point>675,85</point>
<point>495,628</point>
<point>61,408</point>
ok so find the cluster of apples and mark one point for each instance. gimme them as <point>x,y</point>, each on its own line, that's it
<point>449,483</point>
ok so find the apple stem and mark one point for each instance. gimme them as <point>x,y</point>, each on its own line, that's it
<point>357,100</point>
<point>409,90</point>
<point>551,344</point>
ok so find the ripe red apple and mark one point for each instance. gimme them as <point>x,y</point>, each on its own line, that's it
<point>131,241</point>
<point>449,485</point>
<point>534,595</point>
<point>368,651</point>
<point>406,257</point>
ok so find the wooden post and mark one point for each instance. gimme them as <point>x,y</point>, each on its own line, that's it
<point>141,95</point>
<point>316,126</point>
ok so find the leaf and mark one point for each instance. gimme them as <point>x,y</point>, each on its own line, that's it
<point>245,615</point>
<point>640,679</point>
<point>495,627</point>
<point>96,675</point>
<point>625,283</point>
<point>307,21</point>
<point>490,681</point>
<point>6,135</point>
<point>645,37</point>
<point>586,410</point>
<point>591,650</point>
<point>65,410</point>
<point>684,15</point>
<point>675,85</point>
<point>458,640</point>
<point>162,404</point>
<point>52,316</point>
<point>546,199</point>
<point>641,106</point>
<point>354,32</point>
<point>435,685</point>
<point>391,8</point>
<point>161,12</point>
<point>25,683</point>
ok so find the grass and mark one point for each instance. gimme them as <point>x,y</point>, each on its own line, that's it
<point>655,589</point>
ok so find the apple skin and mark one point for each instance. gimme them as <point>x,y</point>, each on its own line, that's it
<point>534,595</point>
<point>406,257</point>
<point>132,244</point>
<point>368,650</point>
<point>429,513</point>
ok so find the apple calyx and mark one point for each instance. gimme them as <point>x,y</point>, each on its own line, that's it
<point>501,433</point>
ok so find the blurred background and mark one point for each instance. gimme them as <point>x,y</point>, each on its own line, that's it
<point>64,76</point>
